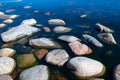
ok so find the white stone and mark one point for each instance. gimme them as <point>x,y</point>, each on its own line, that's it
<point>5,77</point>
<point>83,16</point>
<point>117,72</point>
<point>62,29</point>
<point>8,21</point>
<point>56,22</point>
<point>13,16</point>
<point>1,13</point>
<point>29,22</point>
<point>2,25</point>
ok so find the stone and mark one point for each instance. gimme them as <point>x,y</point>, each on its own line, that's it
<point>29,22</point>
<point>26,60</point>
<point>83,16</point>
<point>96,79</point>
<point>41,53</point>
<point>7,65</point>
<point>68,38</point>
<point>8,21</point>
<point>56,22</point>
<point>62,29</point>
<point>44,43</point>
<point>103,28</point>
<point>39,72</point>
<point>79,48</point>
<point>107,37</point>
<point>92,40</point>
<point>5,16</point>
<point>1,13</point>
<point>18,32</point>
<point>5,77</point>
<point>2,25</point>
<point>13,16</point>
<point>57,57</point>
<point>9,10</point>
<point>7,52</point>
<point>86,68</point>
<point>117,72</point>
<point>27,7</point>
<point>47,29</point>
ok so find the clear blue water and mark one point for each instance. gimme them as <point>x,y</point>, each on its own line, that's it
<point>106,12</point>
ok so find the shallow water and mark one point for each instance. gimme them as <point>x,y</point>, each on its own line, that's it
<point>106,12</point>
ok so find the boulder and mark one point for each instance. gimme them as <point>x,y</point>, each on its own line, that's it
<point>61,29</point>
<point>68,38</point>
<point>7,52</point>
<point>18,32</point>
<point>107,37</point>
<point>8,21</point>
<point>56,22</point>
<point>7,65</point>
<point>117,72</point>
<point>29,22</point>
<point>2,25</point>
<point>39,72</point>
<point>57,57</point>
<point>5,77</point>
<point>79,48</point>
<point>86,68</point>
<point>102,28</point>
<point>92,40</point>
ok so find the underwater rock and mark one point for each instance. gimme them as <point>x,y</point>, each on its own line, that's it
<point>27,7</point>
<point>7,52</point>
<point>103,28</point>
<point>79,48</point>
<point>92,40</point>
<point>44,43</point>
<point>7,65</point>
<point>18,32</point>
<point>107,37</point>
<point>5,77</point>
<point>9,10</point>
<point>39,72</point>
<point>47,29</point>
<point>13,16</point>
<point>2,25</point>
<point>56,22</point>
<point>57,57</point>
<point>29,22</point>
<point>96,79</point>
<point>1,13</point>
<point>8,21</point>
<point>117,72</point>
<point>26,60</point>
<point>61,29</point>
<point>84,67</point>
<point>83,16</point>
<point>68,38</point>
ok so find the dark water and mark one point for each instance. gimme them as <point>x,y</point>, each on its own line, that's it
<point>106,12</point>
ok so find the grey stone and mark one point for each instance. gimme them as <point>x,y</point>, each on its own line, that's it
<point>62,29</point>
<point>117,72</point>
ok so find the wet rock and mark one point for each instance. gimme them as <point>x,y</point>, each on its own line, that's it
<point>47,29</point>
<point>9,10</point>
<point>57,57</point>
<point>68,38</point>
<point>92,40</point>
<point>8,21</point>
<point>79,48</point>
<point>29,22</point>
<point>96,79</point>
<point>84,67</point>
<point>56,22</point>
<point>7,65</point>
<point>5,16</point>
<point>5,77</point>
<point>41,53</point>
<point>26,60</point>
<point>61,29</point>
<point>107,37</point>
<point>117,72</point>
<point>103,28</point>
<point>1,13</point>
<point>18,32</point>
<point>38,25</point>
<point>27,7</point>
<point>2,25</point>
<point>35,73</point>
<point>44,43</point>
<point>7,52</point>
<point>13,16</point>
<point>83,16</point>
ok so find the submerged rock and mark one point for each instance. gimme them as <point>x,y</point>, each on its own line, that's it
<point>39,72</point>
<point>44,43</point>
<point>83,16</point>
<point>8,21</point>
<point>7,65</point>
<point>117,72</point>
<point>13,16</point>
<point>7,52</point>
<point>1,13</point>
<point>79,49</point>
<point>68,38</point>
<point>56,22</point>
<point>29,22</point>
<point>96,79</point>
<point>92,40</point>
<point>103,28</point>
<point>57,57</point>
<point>62,29</point>
<point>47,29</point>
<point>5,77</point>
<point>2,25</point>
<point>84,67</point>
<point>107,37</point>
<point>18,32</point>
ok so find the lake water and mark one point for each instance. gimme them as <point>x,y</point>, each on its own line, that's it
<point>106,12</point>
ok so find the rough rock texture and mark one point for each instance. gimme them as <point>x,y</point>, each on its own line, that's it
<point>79,49</point>
<point>39,72</point>
<point>84,67</point>
<point>68,38</point>
<point>56,22</point>
<point>7,65</point>
<point>117,72</point>
<point>62,29</point>
<point>92,40</point>
<point>5,77</point>
<point>18,32</point>
<point>8,21</point>
<point>107,37</point>
<point>7,52</point>
<point>29,22</point>
<point>57,57</point>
